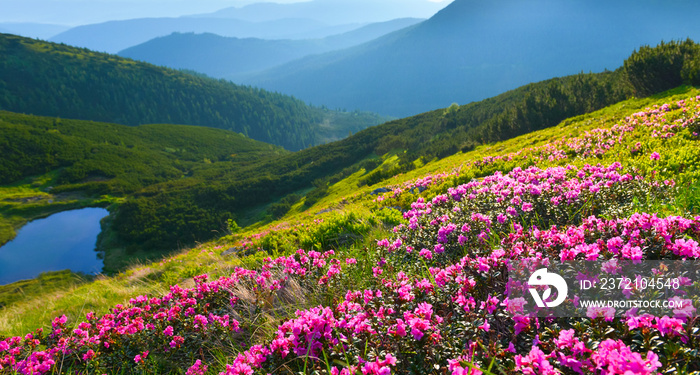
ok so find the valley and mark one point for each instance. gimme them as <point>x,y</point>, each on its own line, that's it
<point>157,220</point>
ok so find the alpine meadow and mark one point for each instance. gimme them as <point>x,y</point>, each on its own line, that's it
<point>552,228</point>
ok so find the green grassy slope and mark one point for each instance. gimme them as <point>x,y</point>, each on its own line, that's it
<point>128,158</point>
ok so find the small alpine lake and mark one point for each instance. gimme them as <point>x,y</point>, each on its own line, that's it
<point>65,240</point>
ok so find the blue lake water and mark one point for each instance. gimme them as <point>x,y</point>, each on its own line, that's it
<point>65,240</point>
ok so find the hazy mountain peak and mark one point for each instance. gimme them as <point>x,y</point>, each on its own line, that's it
<point>233,58</point>
<point>473,49</point>
<point>334,11</point>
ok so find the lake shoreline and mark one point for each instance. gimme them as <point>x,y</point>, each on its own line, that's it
<point>63,240</point>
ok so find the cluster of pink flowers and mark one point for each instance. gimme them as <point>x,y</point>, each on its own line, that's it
<point>625,238</point>
<point>612,357</point>
<point>172,326</point>
<point>415,320</point>
<point>484,216</point>
<point>593,143</point>
<point>419,184</point>
<point>404,312</point>
<point>472,216</point>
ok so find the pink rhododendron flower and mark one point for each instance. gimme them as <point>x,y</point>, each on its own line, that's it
<point>614,357</point>
<point>606,312</point>
<point>535,362</point>
<point>141,357</point>
<point>197,368</point>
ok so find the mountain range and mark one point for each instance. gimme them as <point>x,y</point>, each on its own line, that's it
<point>333,11</point>
<point>231,58</point>
<point>114,36</point>
<point>303,20</point>
<point>474,49</point>
<point>84,12</point>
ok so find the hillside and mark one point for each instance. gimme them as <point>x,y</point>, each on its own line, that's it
<point>49,79</point>
<point>147,220</point>
<point>225,57</point>
<point>474,49</point>
<point>122,157</point>
<point>424,137</point>
<point>342,291</point>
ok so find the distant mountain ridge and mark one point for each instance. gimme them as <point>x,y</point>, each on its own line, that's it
<point>49,79</point>
<point>474,49</point>
<point>32,30</point>
<point>333,11</point>
<point>232,58</point>
<point>302,20</point>
<point>114,36</point>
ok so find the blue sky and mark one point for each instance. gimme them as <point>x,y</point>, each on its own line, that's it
<point>76,12</point>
